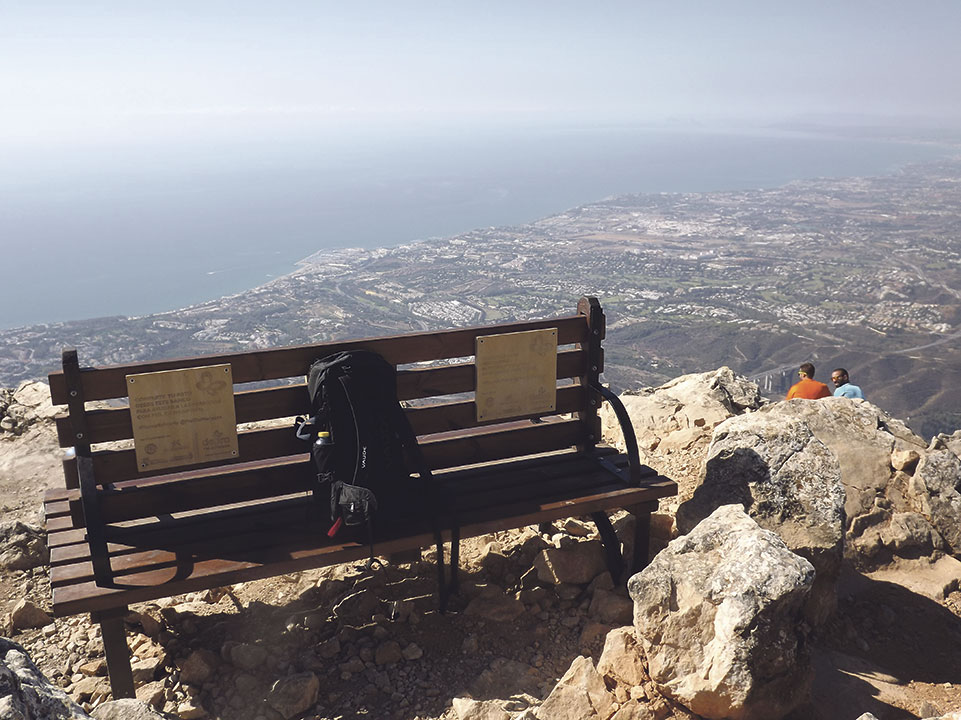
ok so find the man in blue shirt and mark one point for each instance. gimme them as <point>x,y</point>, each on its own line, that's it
<point>843,386</point>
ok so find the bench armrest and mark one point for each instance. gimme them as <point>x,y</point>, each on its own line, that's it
<point>630,439</point>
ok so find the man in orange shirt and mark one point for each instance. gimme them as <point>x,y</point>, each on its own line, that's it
<point>807,387</point>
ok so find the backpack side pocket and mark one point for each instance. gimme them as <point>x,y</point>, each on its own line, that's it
<point>352,503</point>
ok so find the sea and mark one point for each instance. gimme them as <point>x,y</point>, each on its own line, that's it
<point>140,229</point>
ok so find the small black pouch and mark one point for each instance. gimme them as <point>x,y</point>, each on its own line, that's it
<point>353,503</point>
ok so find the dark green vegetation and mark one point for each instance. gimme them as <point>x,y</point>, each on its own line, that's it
<point>859,272</point>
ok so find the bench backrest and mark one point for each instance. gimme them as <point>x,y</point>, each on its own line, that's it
<point>432,367</point>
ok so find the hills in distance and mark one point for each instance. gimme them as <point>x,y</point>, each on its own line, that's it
<point>863,273</point>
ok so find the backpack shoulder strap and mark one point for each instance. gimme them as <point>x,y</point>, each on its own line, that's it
<point>346,383</point>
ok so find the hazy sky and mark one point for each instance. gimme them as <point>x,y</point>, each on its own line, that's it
<point>127,71</point>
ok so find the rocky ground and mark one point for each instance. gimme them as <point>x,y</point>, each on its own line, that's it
<point>346,642</point>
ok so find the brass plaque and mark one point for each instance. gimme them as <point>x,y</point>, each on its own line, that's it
<point>516,374</point>
<point>183,417</point>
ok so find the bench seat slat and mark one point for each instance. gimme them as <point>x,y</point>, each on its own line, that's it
<point>561,475</point>
<point>278,558</point>
<point>130,500</point>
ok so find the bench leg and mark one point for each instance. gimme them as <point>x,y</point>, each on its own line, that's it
<point>117,652</point>
<point>642,535</point>
<point>612,546</point>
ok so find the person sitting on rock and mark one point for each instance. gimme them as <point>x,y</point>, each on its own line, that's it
<point>843,387</point>
<point>807,387</point>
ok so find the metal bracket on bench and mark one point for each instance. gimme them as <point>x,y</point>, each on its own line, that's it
<point>630,439</point>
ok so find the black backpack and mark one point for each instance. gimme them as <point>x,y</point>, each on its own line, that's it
<point>360,441</point>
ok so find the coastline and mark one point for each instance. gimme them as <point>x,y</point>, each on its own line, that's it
<point>430,202</point>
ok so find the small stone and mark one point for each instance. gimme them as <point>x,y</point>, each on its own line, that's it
<point>358,607</point>
<point>152,693</point>
<point>244,684</point>
<point>190,710</point>
<point>469,709</point>
<point>198,666</point>
<point>353,665</point>
<point>246,656</point>
<point>388,653</point>
<point>145,669</point>
<point>413,652</point>
<point>329,648</point>
<point>494,561</point>
<point>27,615</point>
<point>575,527</point>
<point>94,667</point>
<point>90,687</point>
<point>905,460</point>
<point>294,694</point>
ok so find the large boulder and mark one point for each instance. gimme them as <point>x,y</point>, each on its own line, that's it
<point>673,422</point>
<point>27,405</point>
<point>789,482</point>
<point>951,442</point>
<point>718,615</point>
<point>935,493</point>
<point>22,546</point>
<point>887,471</point>
<point>26,693</point>
<point>30,456</point>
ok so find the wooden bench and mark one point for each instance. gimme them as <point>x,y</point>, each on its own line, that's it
<point>119,536</point>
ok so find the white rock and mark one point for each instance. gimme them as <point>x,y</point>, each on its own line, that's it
<point>27,615</point>
<point>622,660</point>
<point>469,709</point>
<point>579,695</point>
<point>718,614</point>
<point>789,482</point>
<point>295,694</point>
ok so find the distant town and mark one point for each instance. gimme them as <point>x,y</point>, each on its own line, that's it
<point>860,272</point>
